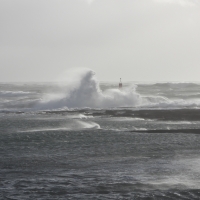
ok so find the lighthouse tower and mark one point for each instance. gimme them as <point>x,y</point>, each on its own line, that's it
<point>120,84</point>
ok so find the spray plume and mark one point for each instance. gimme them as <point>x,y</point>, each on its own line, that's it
<point>81,89</point>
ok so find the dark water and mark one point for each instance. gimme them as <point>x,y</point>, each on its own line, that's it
<point>149,150</point>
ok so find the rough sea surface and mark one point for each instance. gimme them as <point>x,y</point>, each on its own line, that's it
<point>141,142</point>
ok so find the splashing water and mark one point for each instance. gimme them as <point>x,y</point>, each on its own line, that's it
<point>82,90</point>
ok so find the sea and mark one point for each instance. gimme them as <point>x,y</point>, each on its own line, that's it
<point>85,139</point>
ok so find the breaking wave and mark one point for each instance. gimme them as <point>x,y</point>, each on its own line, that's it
<point>84,91</point>
<point>13,93</point>
<point>76,125</point>
<point>174,84</point>
<point>81,90</point>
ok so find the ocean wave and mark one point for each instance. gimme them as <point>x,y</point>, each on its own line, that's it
<point>79,116</point>
<point>76,125</point>
<point>84,91</point>
<point>81,90</point>
<point>13,93</point>
<point>174,104</point>
<point>172,84</point>
<point>125,119</point>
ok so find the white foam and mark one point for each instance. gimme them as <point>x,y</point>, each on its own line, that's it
<point>79,116</point>
<point>80,89</point>
<point>83,91</point>
<point>44,130</point>
<point>125,119</point>
<point>171,104</point>
<point>70,126</point>
<point>179,122</point>
<point>89,125</point>
<point>13,93</point>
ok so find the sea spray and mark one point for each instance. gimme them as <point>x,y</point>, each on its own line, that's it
<point>82,90</point>
<point>70,125</point>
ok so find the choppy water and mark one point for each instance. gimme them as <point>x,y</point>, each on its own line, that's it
<point>147,148</point>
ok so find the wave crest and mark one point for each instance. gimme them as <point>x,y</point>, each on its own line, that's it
<point>13,93</point>
<point>83,91</point>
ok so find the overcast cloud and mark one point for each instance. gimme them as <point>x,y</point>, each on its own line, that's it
<point>180,2</point>
<point>138,40</point>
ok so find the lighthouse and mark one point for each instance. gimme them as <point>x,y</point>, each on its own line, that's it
<point>120,84</point>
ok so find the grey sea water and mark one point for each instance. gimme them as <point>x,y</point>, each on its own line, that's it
<point>146,145</point>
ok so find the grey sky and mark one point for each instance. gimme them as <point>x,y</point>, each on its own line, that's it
<point>138,40</point>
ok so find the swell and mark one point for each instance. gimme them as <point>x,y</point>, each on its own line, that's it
<point>81,89</point>
<point>192,131</point>
<point>165,115</point>
<point>145,114</point>
<point>13,93</point>
<point>173,84</point>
